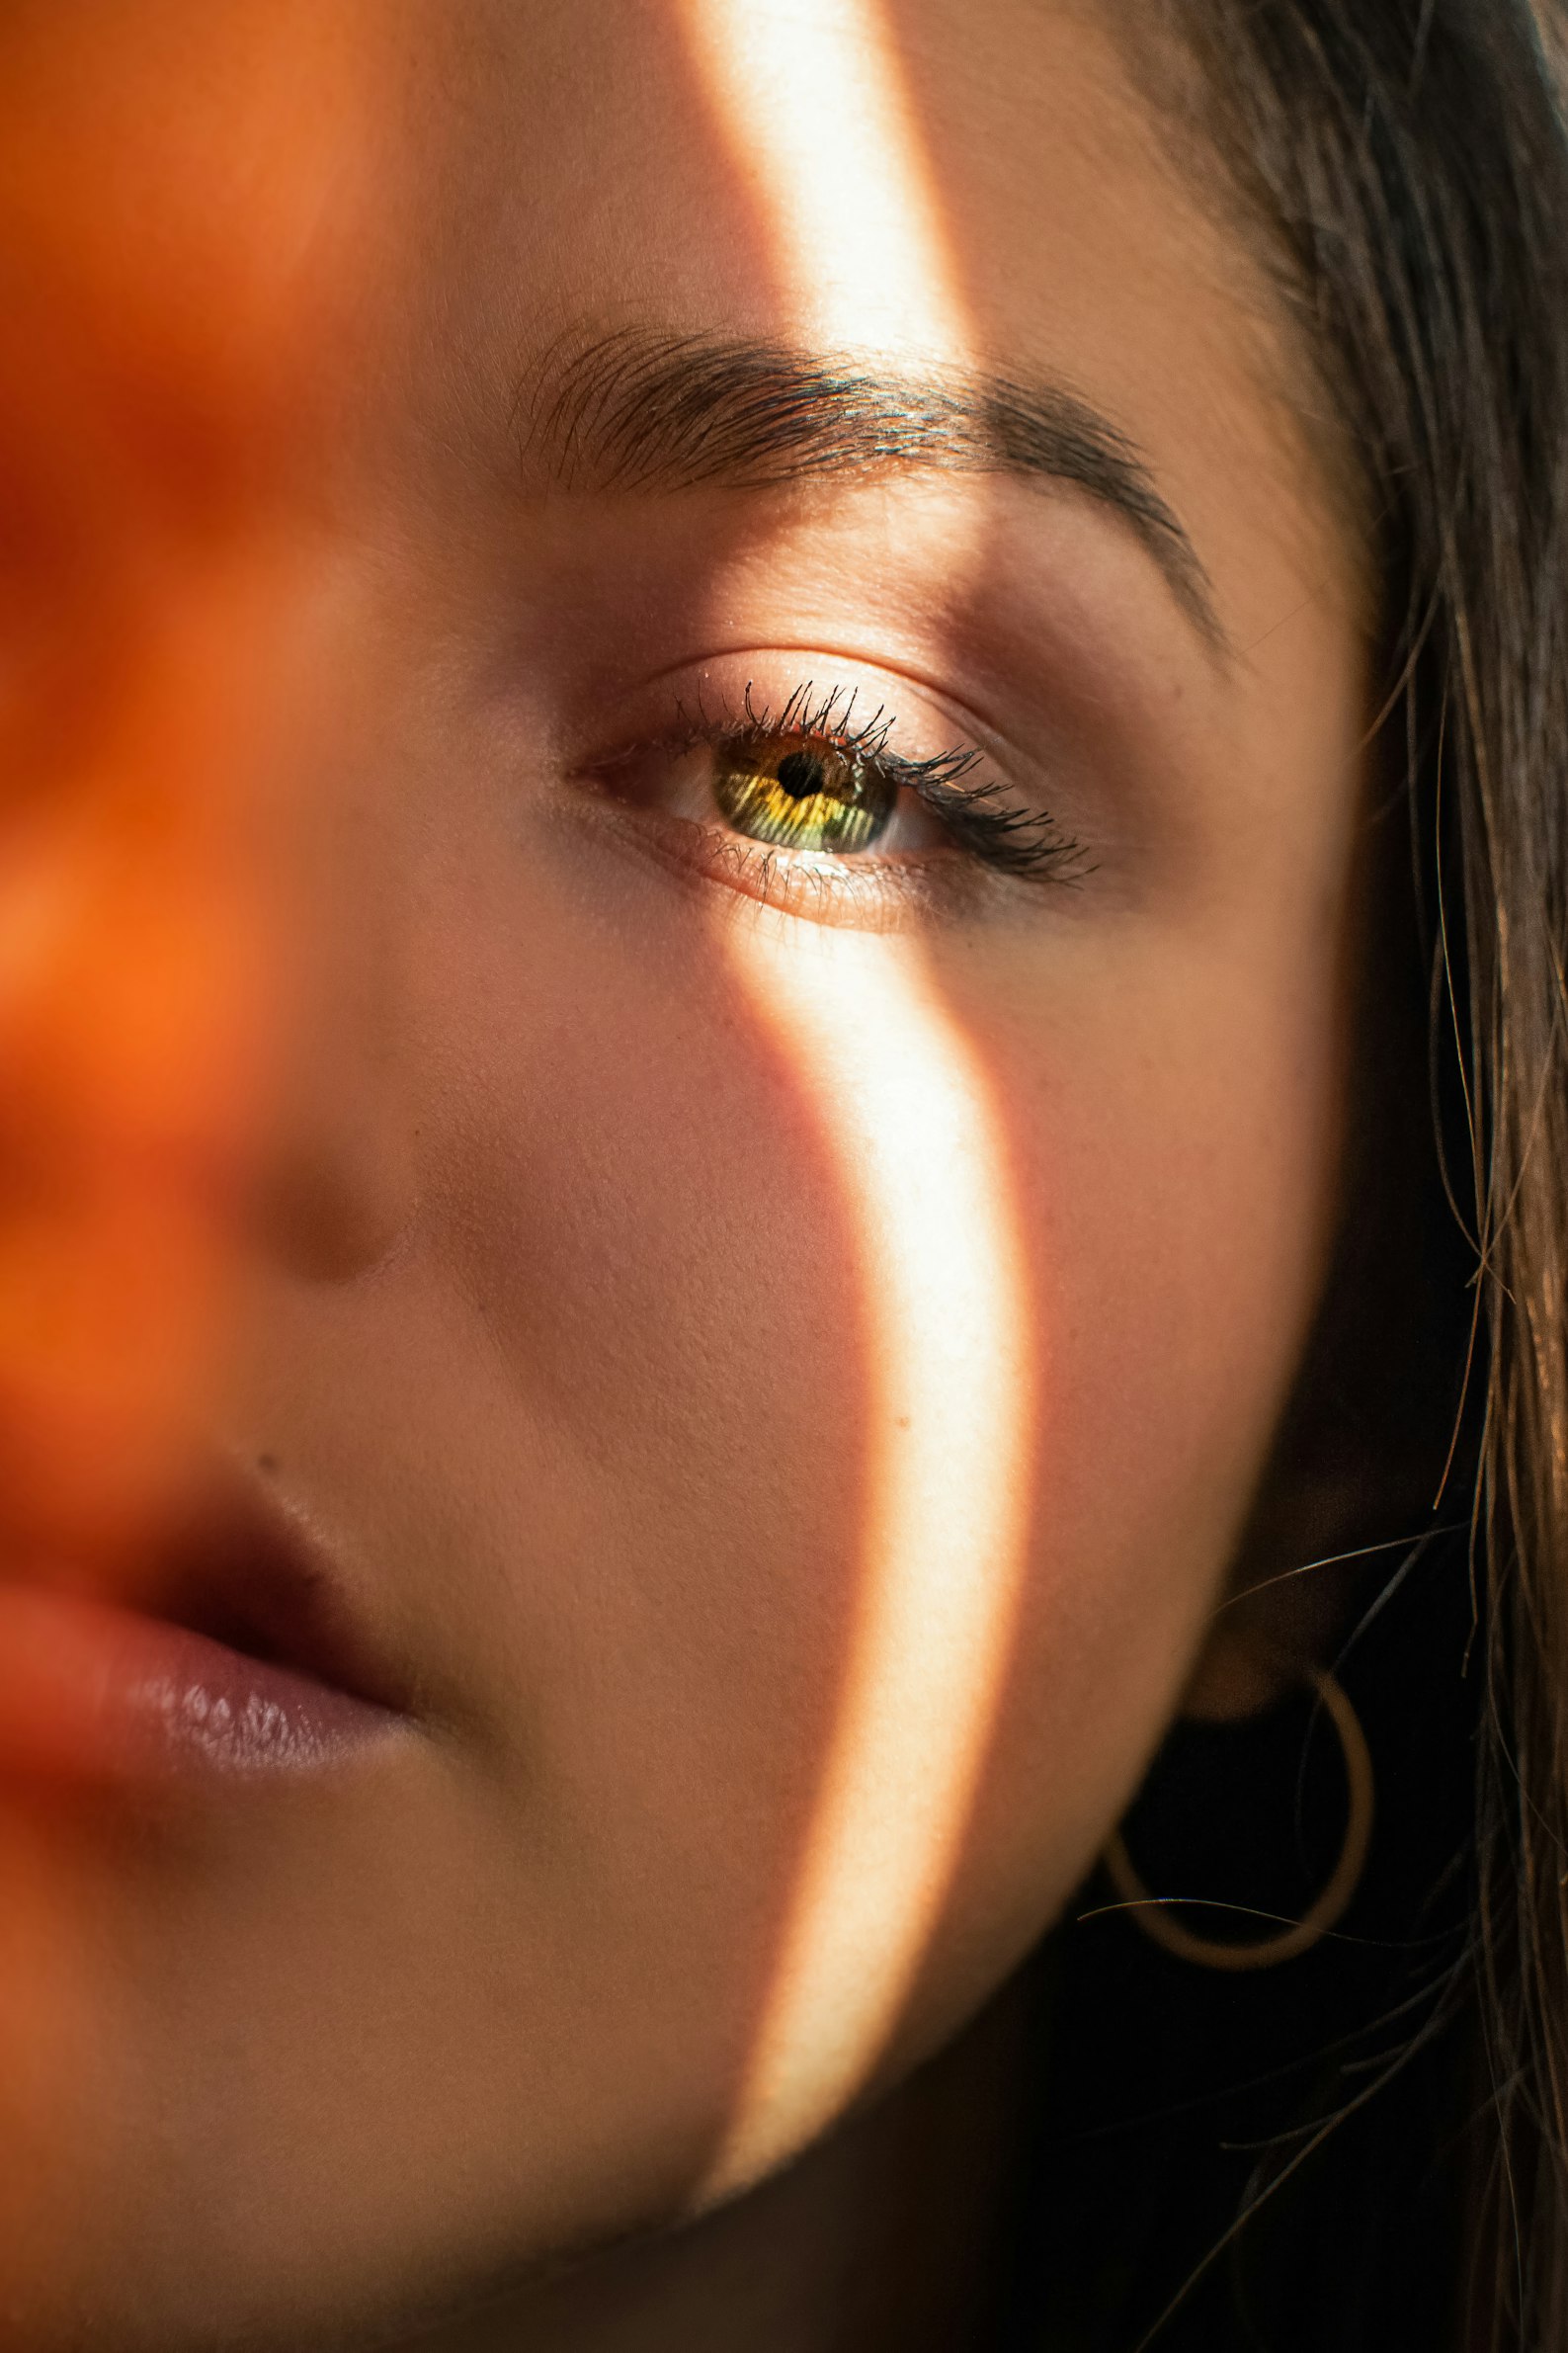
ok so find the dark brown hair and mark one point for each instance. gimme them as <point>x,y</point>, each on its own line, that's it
<point>1400,168</point>
<point>1406,166</point>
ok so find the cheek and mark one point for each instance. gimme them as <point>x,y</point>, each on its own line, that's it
<point>853,1401</point>
<point>1175,1152</point>
<point>1178,1213</point>
<point>648,1235</point>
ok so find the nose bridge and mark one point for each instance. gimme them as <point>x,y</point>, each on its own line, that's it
<point>336,1181</point>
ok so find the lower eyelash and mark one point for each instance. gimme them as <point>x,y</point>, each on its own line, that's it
<point>775,877</point>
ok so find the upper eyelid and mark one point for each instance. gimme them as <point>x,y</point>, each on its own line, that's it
<point>871,674</point>
<point>872,737</point>
<point>927,698</point>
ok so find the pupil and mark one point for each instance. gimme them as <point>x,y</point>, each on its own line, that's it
<point>799,773</point>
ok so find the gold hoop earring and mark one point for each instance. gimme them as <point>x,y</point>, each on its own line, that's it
<point>1150,1913</point>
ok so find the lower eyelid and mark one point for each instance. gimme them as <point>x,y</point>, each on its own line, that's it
<point>866,891</point>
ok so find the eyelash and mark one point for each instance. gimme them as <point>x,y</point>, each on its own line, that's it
<point>1007,839</point>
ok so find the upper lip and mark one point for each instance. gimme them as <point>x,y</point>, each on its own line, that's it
<point>246,1569</point>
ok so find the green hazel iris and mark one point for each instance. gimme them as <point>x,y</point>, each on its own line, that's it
<point>800,798</point>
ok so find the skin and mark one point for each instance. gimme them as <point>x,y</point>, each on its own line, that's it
<point>556,1311</point>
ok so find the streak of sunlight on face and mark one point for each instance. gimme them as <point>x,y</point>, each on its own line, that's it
<point>860,258</point>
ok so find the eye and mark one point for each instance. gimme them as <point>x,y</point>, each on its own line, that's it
<point>821,791</point>
<point>814,779</point>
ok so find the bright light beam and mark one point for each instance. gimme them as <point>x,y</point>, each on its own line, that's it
<point>914,1136</point>
<point>856,235</point>
<point>863,261</point>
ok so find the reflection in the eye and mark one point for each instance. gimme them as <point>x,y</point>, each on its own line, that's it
<point>917,1142</point>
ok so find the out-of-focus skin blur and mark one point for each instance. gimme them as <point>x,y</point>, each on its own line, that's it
<point>631,1247</point>
<point>171,247</point>
<point>164,269</point>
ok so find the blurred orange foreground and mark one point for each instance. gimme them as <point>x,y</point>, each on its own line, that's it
<point>175,187</point>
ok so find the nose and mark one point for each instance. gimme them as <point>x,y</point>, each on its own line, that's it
<point>332,1200</point>
<point>335,1185</point>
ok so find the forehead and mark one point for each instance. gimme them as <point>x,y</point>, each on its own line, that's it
<point>805,170</point>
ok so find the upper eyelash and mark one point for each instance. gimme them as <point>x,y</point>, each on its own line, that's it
<point>1013,840</point>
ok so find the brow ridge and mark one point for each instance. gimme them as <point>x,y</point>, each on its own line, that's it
<point>645,409</point>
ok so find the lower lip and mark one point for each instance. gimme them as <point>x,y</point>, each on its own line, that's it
<point>90,1691</point>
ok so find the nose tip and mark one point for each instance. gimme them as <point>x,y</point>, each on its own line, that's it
<point>334,1195</point>
<point>323,1225</point>
<point>332,1177</point>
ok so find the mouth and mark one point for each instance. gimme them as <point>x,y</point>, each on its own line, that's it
<point>237,1655</point>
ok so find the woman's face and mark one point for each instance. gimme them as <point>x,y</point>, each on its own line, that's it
<point>821,897</point>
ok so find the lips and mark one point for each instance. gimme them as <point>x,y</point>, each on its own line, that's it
<point>237,1655</point>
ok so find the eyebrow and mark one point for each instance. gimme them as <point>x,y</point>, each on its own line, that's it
<point>642,409</point>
